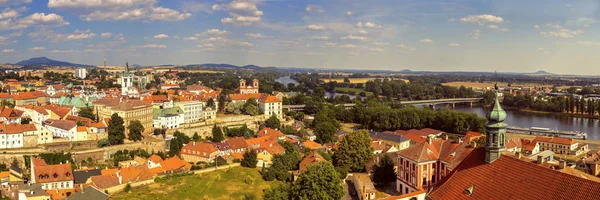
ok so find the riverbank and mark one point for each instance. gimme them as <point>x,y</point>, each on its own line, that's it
<point>551,113</point>
<point>592,144</point>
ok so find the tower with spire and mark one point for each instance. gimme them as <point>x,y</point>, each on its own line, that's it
<point>126,81</point>
<point>495,131</point>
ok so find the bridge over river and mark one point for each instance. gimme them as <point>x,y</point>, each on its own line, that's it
<point>430,103</point>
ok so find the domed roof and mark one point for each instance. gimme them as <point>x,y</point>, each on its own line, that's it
<point>497,114</point>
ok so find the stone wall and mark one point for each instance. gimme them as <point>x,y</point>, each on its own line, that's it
<point>30,140</point>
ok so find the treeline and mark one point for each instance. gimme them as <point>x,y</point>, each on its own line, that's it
<point>416,90</point>
<point>380,117</point>
<point>567,104</point>
<point>230,80</point>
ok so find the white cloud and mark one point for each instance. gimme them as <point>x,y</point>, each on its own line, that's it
<point>363,32</point>
<point>314,27</point>
<point>221,41</point>
<point>536,26</point>
<point>37,48</point>
<point>348,13</point>
<point>152,14</point>
<point>562,33</point>
<point>91,50</point>
<point>79,34</point>
<point>493,26</point>
<point>406,48</point>
<point>427,41</point>
<point>7,51</point>
<point>381,43</point>
<point>97,4</point>
<point>453,45</point>
<point>255,35</point>
<point>582,22</point>
<point>314,8</point>
<point>589,43</point>
<point>353,37</point>
<point>150,46</point>
<point>504,30</point>
<point>475,34</point>
<point>349,46</point>
<point>375,49</point>
<point>8,13</point>
<point>41,19</point>
<point>241,12</point>
<point>105,35</point>
<point>13,2</point>
<point>320,37</point>
<point>213,32</point>
<point>160,36</point>
<point>330,44</point>
<point>57,51</point>
<point>192,6</point>
<point>556,26</point>
<point>368,25</point>
<point>46,34</point>
<point>190,38</point>
<point>482,19</point>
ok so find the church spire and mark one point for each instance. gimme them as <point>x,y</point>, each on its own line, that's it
<point>126,73</point>
<point>495,131</point>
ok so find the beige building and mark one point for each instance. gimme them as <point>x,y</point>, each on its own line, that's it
<point>128,109</point>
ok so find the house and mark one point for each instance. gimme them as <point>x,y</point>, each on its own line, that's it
<point>65,129</point>
<point>83,176</point>
<point>105,181</point>
<point>209,113</point>
<point>57,180</point>
<point>271,133</point>
<point>198,89</point>
<point>561,145</point>
<point>223,147</point>
<point>378,146</point>
<point>16,173</point>
<point>167,118</point>
<point>192,111</point>
<point>237,145</point>
<point>590,164</point>
<point>128,109</point>
<point>11,136</point>
<point>423,165</point>
<point>270,105</point>
<point>472,135</point>
<point>195,152</point>
<point>174,165</point>
<point>311,145</point>
<point>363,186</point>
<point>266,153</point>
<point>313,157</point>
<point>32,191</point>
<point>525,146</point>
<point>89,193</point>
<point>154,161</point>
<point>39,114</point>
<point>10,115</point>
<point>396,140</point>
<point>546,156</point>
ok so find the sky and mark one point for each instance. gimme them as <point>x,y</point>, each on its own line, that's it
<point>462,35</point>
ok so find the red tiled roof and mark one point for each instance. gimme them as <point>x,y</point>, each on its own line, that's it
<point>312,145</point>
<point>556,140</point>
<point>105,180</point>
<point>415,138</point>
<point>40,110</point>
<point>52,173</point>
<point>238,97</point>
<point>269,99</point>
<point>155,159</point>
<point>311,158</point>
<point>58,110</point>
<point>109,171</point>
<point>271,133</point>
<point>275,149</point>
<point>10,113</point>
<point>200,148</point>
<point>175,163</point>
<point>510,178</point>
<point>62,124</point>
<point>237,143</point>
<point>472,135</point>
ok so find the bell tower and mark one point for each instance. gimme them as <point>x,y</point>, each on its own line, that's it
<point>495,131</point>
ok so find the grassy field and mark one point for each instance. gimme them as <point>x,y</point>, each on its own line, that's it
<point>349,90</point>
<point>214,185</point>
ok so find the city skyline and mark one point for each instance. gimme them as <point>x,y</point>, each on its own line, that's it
<point>510,36</point>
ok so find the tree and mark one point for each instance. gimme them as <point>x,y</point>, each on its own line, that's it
<point>210,103</point>
<point>196,137</point>
<point>7,103</point>
<point>80,123</point>
<point>87,112</point>
<point>384,171</point>
<point>234,107</point>
<point>273,122</point>
<point>135,130</point>
<point>252,110</point>
<point>355,151</point>
<point>249,159</point>
<point>103,142</point>
<point>320,181</point>
<point>281,192</point>
<point>217,134</point>
<point>325,132</point>
<point>116,130</point>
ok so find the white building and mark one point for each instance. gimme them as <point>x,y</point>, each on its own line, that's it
<point>192,111</point>
<point>11,136</point>
<point>270,105</point>
<point>167,117</point>
<point>80,73</point>
<point>65,129</point>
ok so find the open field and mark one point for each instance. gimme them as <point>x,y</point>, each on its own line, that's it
<point>491,84</point>
<point>229,184</point>
<point>354,80</point>
<point>350,90</point>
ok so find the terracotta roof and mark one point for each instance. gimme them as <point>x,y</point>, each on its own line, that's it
<point>271,133</point>
<point>269,99</point>
<point>254,142</point>
<point>510,178</point>
<point>471,135</point>
<point>237,156</point>
<point>11,128</point>
<point>312,145</point>
<point>60,194</point>
<point>109,171</point>
<point>62,124</point>
<point>52,173</point>
<point>155,158</point>
<point>415,138</point>
<point>556,140</point>
<point>311,158</point>
<point>58,110</point>
<point>424,132</point>
<point>175,163</point>
<point>87,121</point>
<point>10,113</point>
<point>37,162</point>
<point>5,96</point>
<point>105,181</point>
<point>81,129</point>
<point>28,127</point>
<point>237,143</point>
<point>244,97</point>
<point>275,149</point>
<point>378,145</point>
<point>198,149</point>
<point>580,174</point>
<point>40,110</point>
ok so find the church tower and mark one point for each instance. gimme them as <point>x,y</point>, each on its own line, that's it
<point>495,131</point>
<point>126,81</point>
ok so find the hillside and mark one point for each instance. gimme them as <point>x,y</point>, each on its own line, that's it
<point>44,61</point>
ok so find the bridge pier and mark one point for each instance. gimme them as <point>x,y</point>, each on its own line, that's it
<point>453,106</point>
<point>471,104</point>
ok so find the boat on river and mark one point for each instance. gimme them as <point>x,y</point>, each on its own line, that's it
<point>547,132</point>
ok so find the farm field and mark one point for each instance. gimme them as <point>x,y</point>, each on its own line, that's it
<point>356,91</point>
<point>227,184</point>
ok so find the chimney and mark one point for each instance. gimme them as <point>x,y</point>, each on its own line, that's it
<point>540,160</point>
<point>265,131</point>
<point>445,136</point>
<point>81,187</point>
<point>518,155</point>
<point>460,140</point>
<point>562,164</point>
<point>429,140</point>
<point>194,144</point>
<point>473,144</point>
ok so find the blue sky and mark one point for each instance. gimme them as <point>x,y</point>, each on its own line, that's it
<point>507,35</point>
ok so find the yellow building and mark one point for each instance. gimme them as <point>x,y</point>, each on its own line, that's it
<point>128,109</point>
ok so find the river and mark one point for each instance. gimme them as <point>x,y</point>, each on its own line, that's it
<point>527,119</point>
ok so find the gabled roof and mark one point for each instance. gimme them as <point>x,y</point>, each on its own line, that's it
<point>271,133</point>
<point>269,99</point>
<point>61,124</point>
<point>471,135</point>
<point>556,140</point>
<point>105,181</point>
<point>175,163</point>
<point>52,173</point>
<point>237,143</point>
<point>312,145</point>
<point>311,158</point>
<point>510,178</point>
<point>244,97</point>
<point>202,149</point>
<point>89,193</point>
<point>155,159</point>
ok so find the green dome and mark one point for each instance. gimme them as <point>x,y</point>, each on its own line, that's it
<point>497,114</point>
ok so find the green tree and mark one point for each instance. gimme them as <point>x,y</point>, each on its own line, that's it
<point>354,151</point>
<point>116,130</point>
<point>135,130</point>
<point>103,142</point>
<point>7,103</point>
<point>384,171</point>
<point>320,181</point>
<point>249,159</point>
<point>252,110</point>
<point>273,122</point>
<point>234,107</point>
<point>196,137</point>
<point>217,134</point>
<point>210,103</point>
<point>87,112</point>
<point>80,123</point>
<point>281,192</point>
<point>325,132</point>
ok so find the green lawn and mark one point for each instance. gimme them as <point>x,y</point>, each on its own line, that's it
<point>347,90</point>
<point>223,184</point>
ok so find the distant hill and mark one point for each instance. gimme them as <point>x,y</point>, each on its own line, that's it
<point>540,72</point>
<point>44,61</point>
